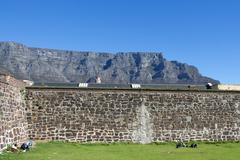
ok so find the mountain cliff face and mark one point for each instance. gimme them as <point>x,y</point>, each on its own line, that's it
<point>48,65</point>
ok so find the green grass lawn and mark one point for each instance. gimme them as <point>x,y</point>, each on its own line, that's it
<point>75,151</point>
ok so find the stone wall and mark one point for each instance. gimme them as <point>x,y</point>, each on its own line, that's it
<point>13,123</point>
<point>113,115</point>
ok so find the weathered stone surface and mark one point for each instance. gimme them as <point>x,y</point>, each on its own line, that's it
<point>13,123</point>
<point>115,115</point>
<point>125,115</point>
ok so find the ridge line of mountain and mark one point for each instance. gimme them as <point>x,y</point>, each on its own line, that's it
<point>53,65</point>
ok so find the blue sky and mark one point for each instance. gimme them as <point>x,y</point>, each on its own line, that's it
<point>204,33</point>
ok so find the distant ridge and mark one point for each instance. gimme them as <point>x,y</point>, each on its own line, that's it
<point>51,65</point>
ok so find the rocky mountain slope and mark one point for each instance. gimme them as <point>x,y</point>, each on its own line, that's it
<point>49,65</point>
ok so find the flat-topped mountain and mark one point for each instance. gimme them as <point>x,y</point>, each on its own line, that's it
<point>50,65</point>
